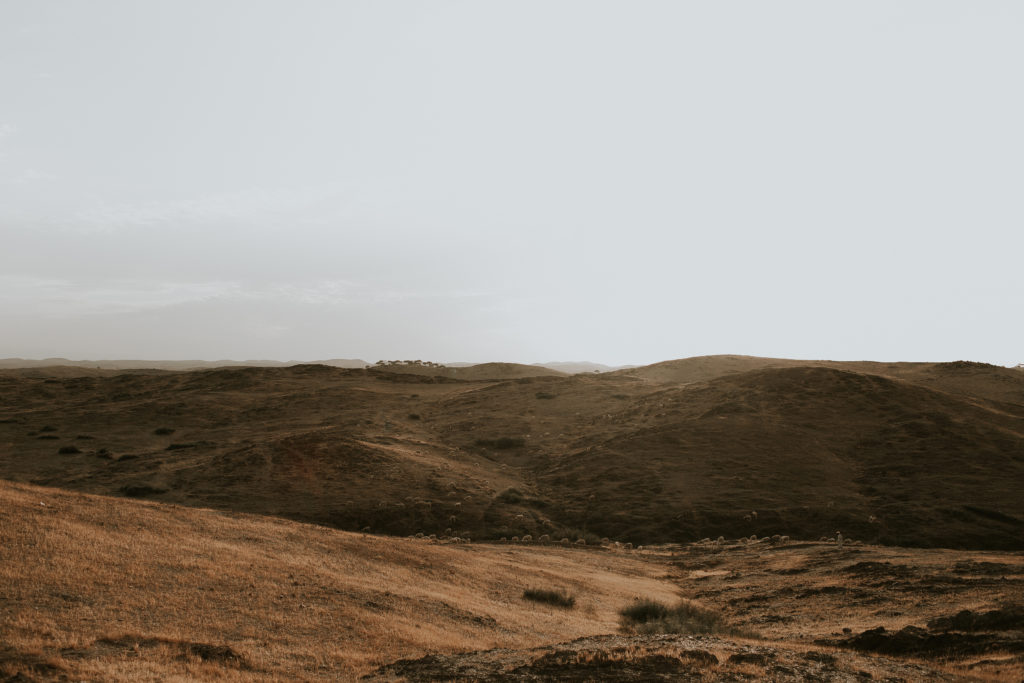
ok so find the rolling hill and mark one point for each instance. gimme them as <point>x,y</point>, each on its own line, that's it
<point>923,454</point>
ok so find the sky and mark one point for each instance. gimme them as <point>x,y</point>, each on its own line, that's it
<point>527,181</point>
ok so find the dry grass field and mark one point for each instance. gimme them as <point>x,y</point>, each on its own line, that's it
<point>104,589</point>
<point>101,589</point>
<point>258,523</point>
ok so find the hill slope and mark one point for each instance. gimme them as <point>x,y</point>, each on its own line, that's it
<point>107,589</point>
<point>920,454</point>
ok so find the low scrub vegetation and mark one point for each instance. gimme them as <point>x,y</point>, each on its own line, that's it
<point>558,598</point>
<point>649,617</point>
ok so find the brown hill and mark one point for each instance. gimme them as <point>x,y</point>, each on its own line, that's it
<point>960,377</point>
<point>921,454</point>
<point>96,588</point>
<point>104,589</point>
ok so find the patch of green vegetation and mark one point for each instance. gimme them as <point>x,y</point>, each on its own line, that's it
<point>649,617</point>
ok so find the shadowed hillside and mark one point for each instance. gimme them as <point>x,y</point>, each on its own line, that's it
<point>919,454</point>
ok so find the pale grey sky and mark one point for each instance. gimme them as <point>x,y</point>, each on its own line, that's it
<point>623,182</point>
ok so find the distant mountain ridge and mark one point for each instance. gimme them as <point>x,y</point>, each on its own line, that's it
<point>566,367</point>
<point>133,364</point>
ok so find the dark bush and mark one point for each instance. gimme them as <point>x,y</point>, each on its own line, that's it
<point>48,428</point>
<point>179,446</point>
<point>643,611</point>
<point>650,617</point>
<point>544,395</point>
<point>414,416</point>
<point>558,598</point>
<point>163,431</point>
<point>69,450</point>
<point>511,496</point>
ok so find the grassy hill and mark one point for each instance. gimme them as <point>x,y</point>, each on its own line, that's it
<point>99,588</point>
<point>919,454</point>
<point>105,589</point>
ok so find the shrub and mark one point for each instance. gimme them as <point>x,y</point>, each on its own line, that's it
<point>643,611</point>
<point>163,431</point>
<point>557,598</point>
<point>650,617</point>
<point>69,450</point>
<point>179,446</point>
<point>511,496</point>
<point>48,428</point>
<point>414,416</point>
<point>544,395</point>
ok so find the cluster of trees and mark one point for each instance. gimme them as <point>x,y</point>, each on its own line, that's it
<point>416,363</point>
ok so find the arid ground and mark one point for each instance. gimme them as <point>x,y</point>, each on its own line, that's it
<point>316,522</point>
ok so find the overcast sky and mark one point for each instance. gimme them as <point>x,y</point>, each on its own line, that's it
<point>622,182</point>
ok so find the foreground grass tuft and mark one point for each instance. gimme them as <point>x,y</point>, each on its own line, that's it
<point>557,598</point>
<point>649,617</point>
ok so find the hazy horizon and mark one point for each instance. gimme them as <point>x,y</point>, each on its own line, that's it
<point>526,182</point>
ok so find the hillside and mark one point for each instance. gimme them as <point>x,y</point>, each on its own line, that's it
<point>103,589</point>
<point>912,454</point>
<point>95,588</point>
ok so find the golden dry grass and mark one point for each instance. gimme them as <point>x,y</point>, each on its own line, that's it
<point>106,589</point>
